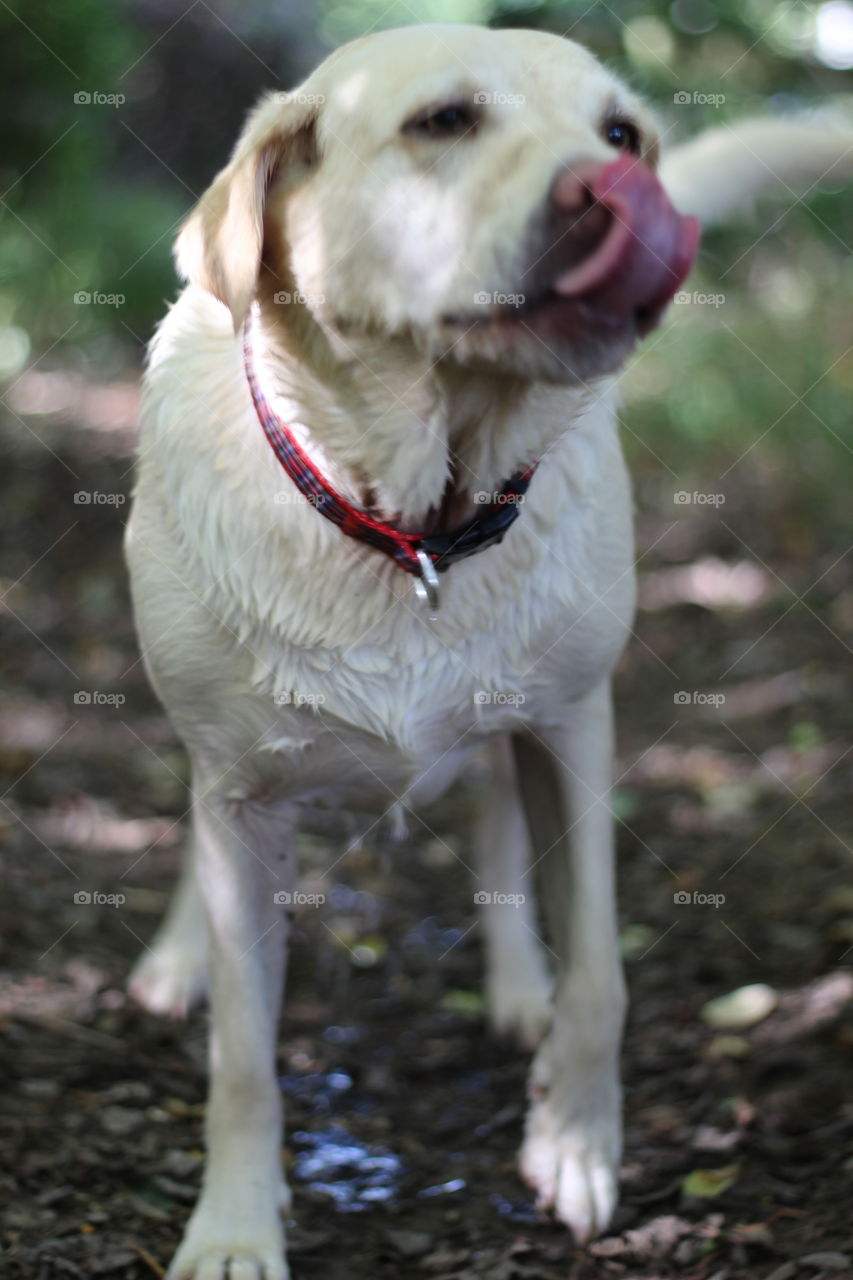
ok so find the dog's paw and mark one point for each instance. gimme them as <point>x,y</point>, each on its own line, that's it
<point>573,1136</point>
<point>229,1263</point>
<point>210,1251</point>
<point>170,979</point>
<point>573,1167</point>
<point>519,1005</point>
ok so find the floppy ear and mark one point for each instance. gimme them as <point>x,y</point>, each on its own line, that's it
<point>219,247</point>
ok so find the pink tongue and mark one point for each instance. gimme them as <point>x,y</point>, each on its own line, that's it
<point>647,250</point>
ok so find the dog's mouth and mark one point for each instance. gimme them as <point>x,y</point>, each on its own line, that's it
<point>617,251</point>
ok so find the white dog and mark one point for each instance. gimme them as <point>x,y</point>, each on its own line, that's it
<point>409,290</point>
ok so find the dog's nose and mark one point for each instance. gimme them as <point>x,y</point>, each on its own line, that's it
<point>571,190</point>
<point>580,219</point>
<point>618,241</point>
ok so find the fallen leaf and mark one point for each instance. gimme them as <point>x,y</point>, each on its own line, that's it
<point>743,1007</point>
<point>826,1261</point>
<point>463,1002</point>
<point>705,1184</point>
<point>411,1244</point>
<point>727,1047</point>
<point>635,939</point>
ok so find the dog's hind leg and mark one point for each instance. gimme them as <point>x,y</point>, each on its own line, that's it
<point>518,985</point>
<point>171,974</point>
<point>573,1134</point>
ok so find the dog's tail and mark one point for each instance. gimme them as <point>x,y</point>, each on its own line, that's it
<point>719,173</point>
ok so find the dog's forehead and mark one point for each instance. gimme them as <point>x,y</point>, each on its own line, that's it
<point>390,72</point>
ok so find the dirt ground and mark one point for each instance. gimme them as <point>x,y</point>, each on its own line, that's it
<point>404,1115</point>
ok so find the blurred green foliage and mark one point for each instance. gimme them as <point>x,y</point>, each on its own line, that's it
<point>74,219</point>
<point>92,195</point>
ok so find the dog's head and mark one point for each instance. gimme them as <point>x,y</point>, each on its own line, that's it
<point>487,196</point>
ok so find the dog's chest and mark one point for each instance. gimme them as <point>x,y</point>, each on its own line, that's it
<point>402,705</point>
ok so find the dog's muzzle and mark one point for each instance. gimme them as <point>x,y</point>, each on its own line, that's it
<point>616,243</point>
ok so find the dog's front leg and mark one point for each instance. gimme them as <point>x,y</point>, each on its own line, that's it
<point>572,1143</point>
<point>246,862</point>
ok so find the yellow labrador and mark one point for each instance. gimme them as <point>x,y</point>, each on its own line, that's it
<point>382,519</point>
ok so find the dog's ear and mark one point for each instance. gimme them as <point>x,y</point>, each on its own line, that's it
<point>219,247</point>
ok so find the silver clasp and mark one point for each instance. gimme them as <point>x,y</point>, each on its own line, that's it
<point>426,585</point>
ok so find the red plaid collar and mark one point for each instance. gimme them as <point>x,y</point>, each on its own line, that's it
<point>420,554</point>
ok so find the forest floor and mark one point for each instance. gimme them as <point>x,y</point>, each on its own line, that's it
<point>403,1114</point>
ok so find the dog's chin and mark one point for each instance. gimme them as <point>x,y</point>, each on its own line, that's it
<point>555,340</point>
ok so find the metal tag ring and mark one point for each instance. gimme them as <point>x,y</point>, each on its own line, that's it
<point>426,585</point>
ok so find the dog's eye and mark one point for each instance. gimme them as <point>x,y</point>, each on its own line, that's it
<point>442,122</point>
<point>624,136</point>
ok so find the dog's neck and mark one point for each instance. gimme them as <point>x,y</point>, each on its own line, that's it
<point>414,443</point>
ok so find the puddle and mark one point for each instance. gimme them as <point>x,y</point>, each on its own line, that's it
<point>443,1189</point>
<point>319,1091</point>
<point>432,936</point>
<point>334,1163</point>
<point>516,1210</point>
<point>351,1173</point>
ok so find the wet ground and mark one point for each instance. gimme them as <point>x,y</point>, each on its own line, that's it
<point>404,1115</point>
